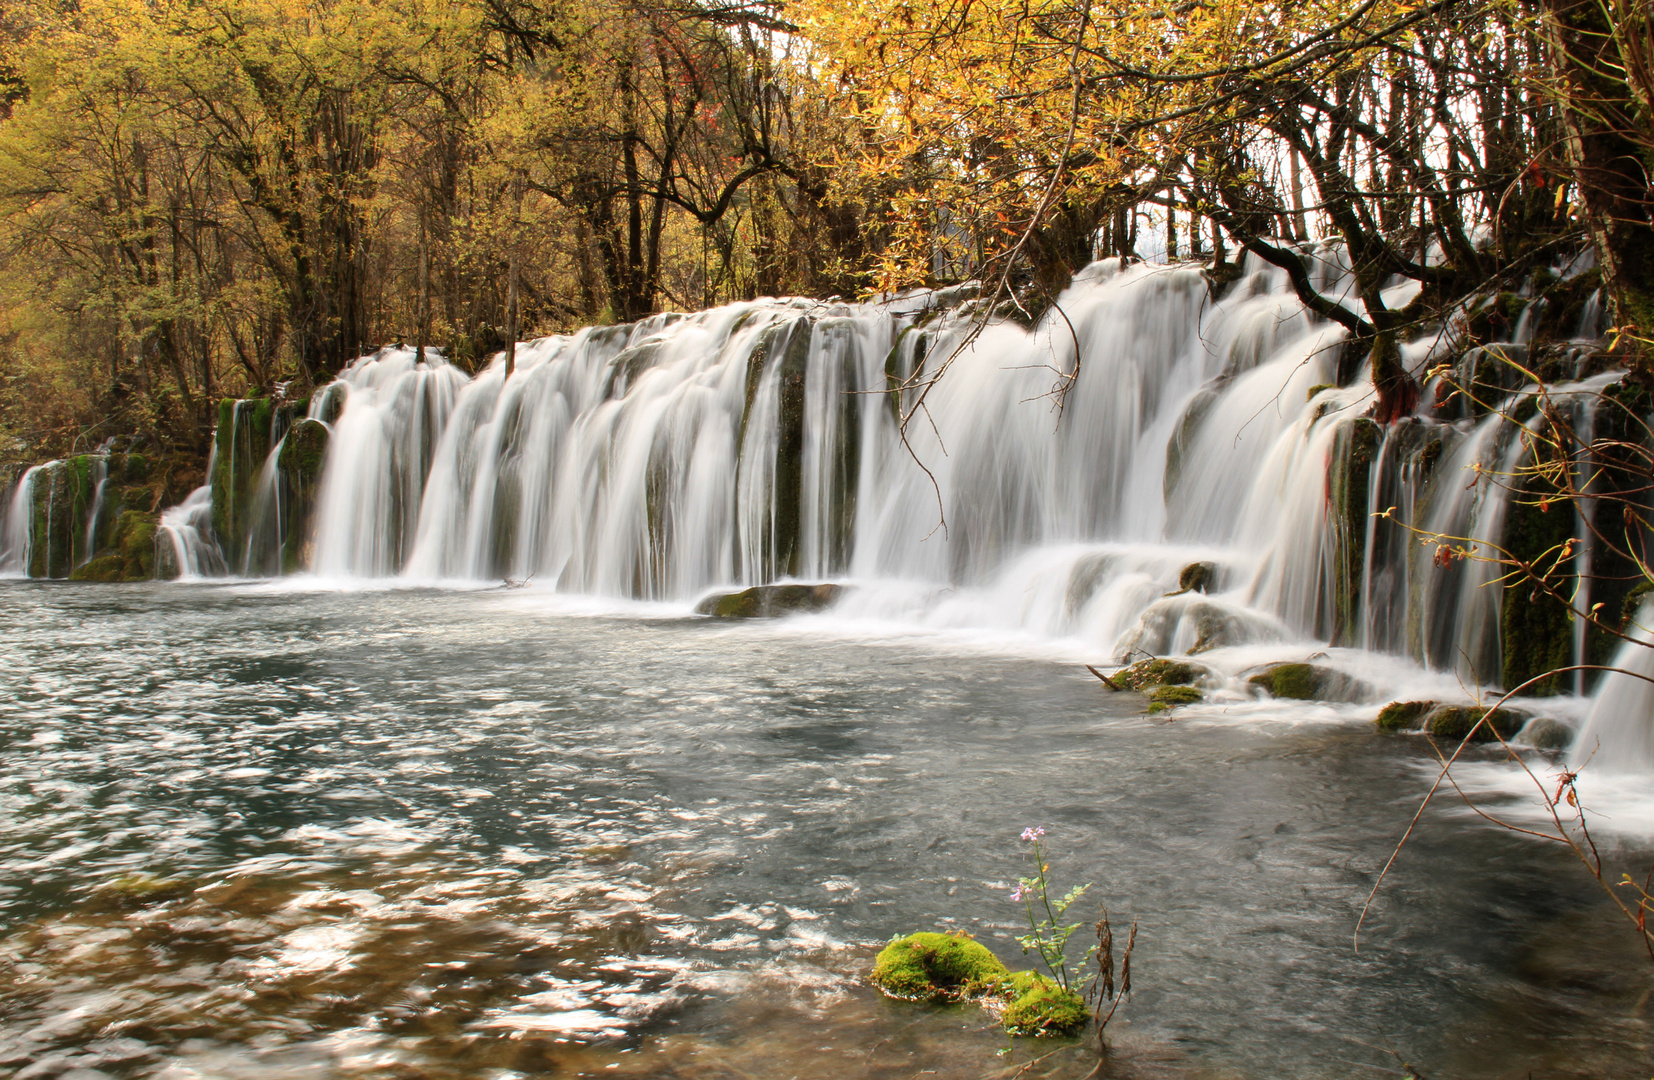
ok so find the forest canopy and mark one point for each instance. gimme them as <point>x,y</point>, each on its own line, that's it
<point>201,198</point>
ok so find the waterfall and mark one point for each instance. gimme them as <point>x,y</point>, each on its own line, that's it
<point>1618,736</point>
<point>184,545</point>
<point>16,552</point>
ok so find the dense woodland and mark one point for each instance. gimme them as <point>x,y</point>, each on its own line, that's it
<point>209,198</point>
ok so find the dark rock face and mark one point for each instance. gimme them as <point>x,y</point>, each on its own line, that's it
<point>1309,682</point>
<point>768,601</point>
<point>1197,577</point>
<point>303,453</point>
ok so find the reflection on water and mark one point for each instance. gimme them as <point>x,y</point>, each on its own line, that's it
<point>254,833</point>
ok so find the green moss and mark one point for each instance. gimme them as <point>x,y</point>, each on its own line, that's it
<point>1317,388</point>
<point>107,567</point>
<point>1456,721</point>
<point>1041,1007</point>
<point>1349,483</point>
<point>1170,697</point>
<point>1404,715</point>
<point>937,967</point>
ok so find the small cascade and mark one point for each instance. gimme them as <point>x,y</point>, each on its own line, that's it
<point>184,544</point>
<point>15,540</point>
<point>94,516</point>
<point>1618,736</point>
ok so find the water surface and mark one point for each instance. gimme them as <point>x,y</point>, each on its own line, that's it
<point>420,833</point>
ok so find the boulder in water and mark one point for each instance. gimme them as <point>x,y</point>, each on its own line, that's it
<point>767,601</point>
<point>1309,682</point>
<point>1456,721</point>
<point>1543,733</point>
<point>1147,674</point>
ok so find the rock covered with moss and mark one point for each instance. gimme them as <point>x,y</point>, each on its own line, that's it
<point>938,967</point>
<point>1309,682</point>
<point>768,601</point>
<point>956,967</point>
<point>1451,721</point>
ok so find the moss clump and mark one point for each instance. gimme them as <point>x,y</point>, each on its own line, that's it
<point>1404,715</point>
<point>1158,672</point>
<point>1170,697</point>
<point>1456,721</point>
<point>1317,388</point>
<point>1041,1007</point>
<point>937,967</point>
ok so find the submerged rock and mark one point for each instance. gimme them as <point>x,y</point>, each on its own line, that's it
<point>1309,682</point>
<point>765,601</point>
<point>1546,734</point>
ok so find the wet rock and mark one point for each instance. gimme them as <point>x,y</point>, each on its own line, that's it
<point>1456,721</point>
<point>1309,682</point>
<point>937,967</point>
<point>1215,627</point>
<point>1544,733</point>
<point>303,454</point>
<point>766,601</point>
<point>1404,715</point>
<point>1147,674</point>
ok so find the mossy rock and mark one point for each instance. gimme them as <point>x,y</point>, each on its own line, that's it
<point>1404,715</point>
<point>768,601</point>
<point>1147,674</point>
<point>304,451</point>
<point>937,967</point>
<point>1456,721</point>
<point>109,566</point>
<point>1041,1007</point>
<point>1170,697</point>
<point>1309,682</point>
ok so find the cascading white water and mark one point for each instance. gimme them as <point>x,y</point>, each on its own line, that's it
<point>184,544</point>
<point>15,539</point>
<point>761,441</point>
<point>1618,736</point>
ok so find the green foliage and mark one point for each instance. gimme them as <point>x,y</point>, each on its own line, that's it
<point>1047,934</point>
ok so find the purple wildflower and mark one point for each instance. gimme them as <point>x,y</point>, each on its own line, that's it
<point>1021,891</point>
<point>1033,833</point>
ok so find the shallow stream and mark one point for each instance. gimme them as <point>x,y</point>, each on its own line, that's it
<point>423,833</point>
